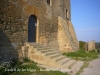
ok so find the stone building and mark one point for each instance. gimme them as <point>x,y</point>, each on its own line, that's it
<point>46,22</point>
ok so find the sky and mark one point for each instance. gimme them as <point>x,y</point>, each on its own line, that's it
<point>85,17</point>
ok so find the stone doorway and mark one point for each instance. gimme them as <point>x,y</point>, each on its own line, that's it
<point>32,28</point>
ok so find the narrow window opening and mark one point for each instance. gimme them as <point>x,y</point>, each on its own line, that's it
<point>66,14</point>
<point>49,2</point>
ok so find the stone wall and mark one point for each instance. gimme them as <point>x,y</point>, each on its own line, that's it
<point>74,39</point>
<point>14,16</point>
<point>91,45</point>
<point>66,37</point>
<point>63,38</point>
<point>85,47</point>
<point>11,29</point>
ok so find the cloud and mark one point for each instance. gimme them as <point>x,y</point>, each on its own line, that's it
<point>90,29</point>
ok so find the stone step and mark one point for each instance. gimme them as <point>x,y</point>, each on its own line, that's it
<point>36,45</point>
<point>54,55</point>
<point>59,58</point>
<point>51,53</point>
<point>52,68</point>
<point>40,45</point>
<point>40,48</point>
<point>76,67</point>
<point>32,44</point>
<point>69,63</point>
<point>45,51</point>
<point>63,61</point>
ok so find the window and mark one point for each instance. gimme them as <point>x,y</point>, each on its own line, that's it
<point>48,1</point>
<point>66,14</point>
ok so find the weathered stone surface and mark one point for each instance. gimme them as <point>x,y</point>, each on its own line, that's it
<point>14,17</point>
<point>85,47</point>
<point>91,45</point>
<point>74,39</point>
<point>66,37</point>
<point>63,39</point>
<point>49,58</point>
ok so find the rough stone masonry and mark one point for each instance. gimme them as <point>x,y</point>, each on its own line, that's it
<point>52,20</point>
<point>89,46</point>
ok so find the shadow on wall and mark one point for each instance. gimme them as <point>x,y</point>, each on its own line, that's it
<point>8,50</point>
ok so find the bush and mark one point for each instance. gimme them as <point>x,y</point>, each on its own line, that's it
<point>81,44</point>
<point>26,60</point>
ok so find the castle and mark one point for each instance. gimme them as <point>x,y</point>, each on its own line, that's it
<point>47,22</point>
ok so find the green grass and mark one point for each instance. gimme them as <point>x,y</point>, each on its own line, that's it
<point>28,68</point>
<point>82,55</point>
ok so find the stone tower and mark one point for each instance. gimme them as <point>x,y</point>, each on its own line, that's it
<point>46,22</point>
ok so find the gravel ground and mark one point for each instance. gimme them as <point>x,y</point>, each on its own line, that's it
<point>93,68</point>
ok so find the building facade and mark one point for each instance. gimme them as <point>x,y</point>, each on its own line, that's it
<point>46,22</point>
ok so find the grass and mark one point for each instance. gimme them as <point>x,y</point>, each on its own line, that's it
<point>27,68</point>
<point>82,55</point>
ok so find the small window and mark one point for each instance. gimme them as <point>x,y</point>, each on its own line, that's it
<point>66,14</point>
<point>48,1</point>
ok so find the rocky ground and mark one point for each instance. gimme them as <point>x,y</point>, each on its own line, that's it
<point>93,68</point>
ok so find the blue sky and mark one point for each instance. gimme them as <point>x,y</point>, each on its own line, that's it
<point>85,17</point>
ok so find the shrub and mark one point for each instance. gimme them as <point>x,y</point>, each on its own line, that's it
<point>81,44</point>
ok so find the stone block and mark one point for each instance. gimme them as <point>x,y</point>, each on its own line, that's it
<point>91,45</point>
<point>85,47</point>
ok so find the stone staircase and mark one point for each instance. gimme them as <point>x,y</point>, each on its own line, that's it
<point>49,58</point>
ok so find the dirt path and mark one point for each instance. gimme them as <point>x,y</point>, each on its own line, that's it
<point>93,68</point>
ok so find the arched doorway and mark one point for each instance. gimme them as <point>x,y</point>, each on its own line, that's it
<point>32,28</point>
